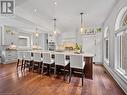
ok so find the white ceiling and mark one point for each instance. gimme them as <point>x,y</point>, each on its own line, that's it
<point>67,12</point>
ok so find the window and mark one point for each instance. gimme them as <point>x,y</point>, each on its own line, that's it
<point>121,41</point>
<point>124,20</point>
<point>121,51</point>
<point>106,45</point>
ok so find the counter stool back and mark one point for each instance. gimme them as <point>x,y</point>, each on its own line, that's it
<point>60,60</point>
<point>77,62</point>
<point>20,59</point>
<point>48,60</point>
<point>37,60</point>
<point>28,60</point>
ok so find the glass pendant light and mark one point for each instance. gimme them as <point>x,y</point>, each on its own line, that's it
<point>81,27</point>
<point>54,27</point>
<point>36,33</point>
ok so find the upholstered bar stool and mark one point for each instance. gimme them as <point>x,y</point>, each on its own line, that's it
<point>47,60</point>
<point>37,60</point>
<point>20,59</point>
<point>28,60</point>
<point>77,63</point>
<point>60,60</point>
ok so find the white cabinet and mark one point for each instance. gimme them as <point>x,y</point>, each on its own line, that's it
<point>93,44</point>
<point>9,56</point>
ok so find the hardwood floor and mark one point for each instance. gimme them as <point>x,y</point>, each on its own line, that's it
<point>29,83</point>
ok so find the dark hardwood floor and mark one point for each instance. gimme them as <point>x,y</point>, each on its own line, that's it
<point>29,83</point>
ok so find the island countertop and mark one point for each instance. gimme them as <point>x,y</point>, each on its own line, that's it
<point>64,52</point>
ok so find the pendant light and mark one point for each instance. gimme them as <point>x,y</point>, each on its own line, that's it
<point>81,27</point>
<point>36,33</point>
<point>54,26</point>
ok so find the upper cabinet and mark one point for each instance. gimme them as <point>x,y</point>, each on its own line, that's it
<point>8,35</point>
<point>18,37</point>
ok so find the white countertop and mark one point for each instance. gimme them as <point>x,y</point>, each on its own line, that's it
<point>65,52</point>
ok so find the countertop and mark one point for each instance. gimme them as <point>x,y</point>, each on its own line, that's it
<point>64,52</point>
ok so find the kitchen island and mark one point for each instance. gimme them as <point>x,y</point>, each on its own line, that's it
<point>88,58</point>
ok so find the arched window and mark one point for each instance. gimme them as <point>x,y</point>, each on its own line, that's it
<point>106,45</point>
<point>121,41</point>
<point>121,18</point>
<point>124,20</point>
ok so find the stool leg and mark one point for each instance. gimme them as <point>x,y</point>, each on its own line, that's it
<point>82,77</point>
<point>64,73</point>
<point>70,76</point>
<point>42,68</point>
<point>17,64</point>
<point>55,70</point>
<point>22,64</point>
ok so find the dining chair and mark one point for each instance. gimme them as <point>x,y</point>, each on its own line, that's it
<point>37,60</point>
<point>77,63</point>
<point>60,60</point>
<point>47,60</point>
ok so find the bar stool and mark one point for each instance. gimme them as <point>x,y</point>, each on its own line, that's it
<point>77,63</point>
<point>28,60</point>
<point>60,60</point>
<point>37,60</point>
<point>48,60</point>
<point>20,59</point>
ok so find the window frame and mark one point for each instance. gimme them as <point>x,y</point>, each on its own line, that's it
<point>106,37</point>
<point>118,64</point>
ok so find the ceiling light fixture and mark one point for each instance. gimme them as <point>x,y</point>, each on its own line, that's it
<point>81,27</point>
<point>36,33</point>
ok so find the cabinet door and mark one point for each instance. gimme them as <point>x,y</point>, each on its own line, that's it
<point>9,35</point>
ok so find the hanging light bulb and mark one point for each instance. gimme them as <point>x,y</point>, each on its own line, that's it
<point>36,34</point>
<point>81,28</point>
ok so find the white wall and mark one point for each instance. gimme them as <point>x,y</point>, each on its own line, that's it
<point>0,35</point>
<point>110,22</point>
<point>69,37</point>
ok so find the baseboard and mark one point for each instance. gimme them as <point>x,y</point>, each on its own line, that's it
<point>115,76</point>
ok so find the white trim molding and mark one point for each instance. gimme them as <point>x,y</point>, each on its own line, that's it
<point>122,82</point>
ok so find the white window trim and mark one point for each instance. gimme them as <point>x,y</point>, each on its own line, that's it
<point>119,71</point>
<point>119,18</point>
<point>122,74</point>
<point>106,37</point>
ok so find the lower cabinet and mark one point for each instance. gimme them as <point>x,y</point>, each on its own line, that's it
<point>88,70</point>
<point>9,56</point>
